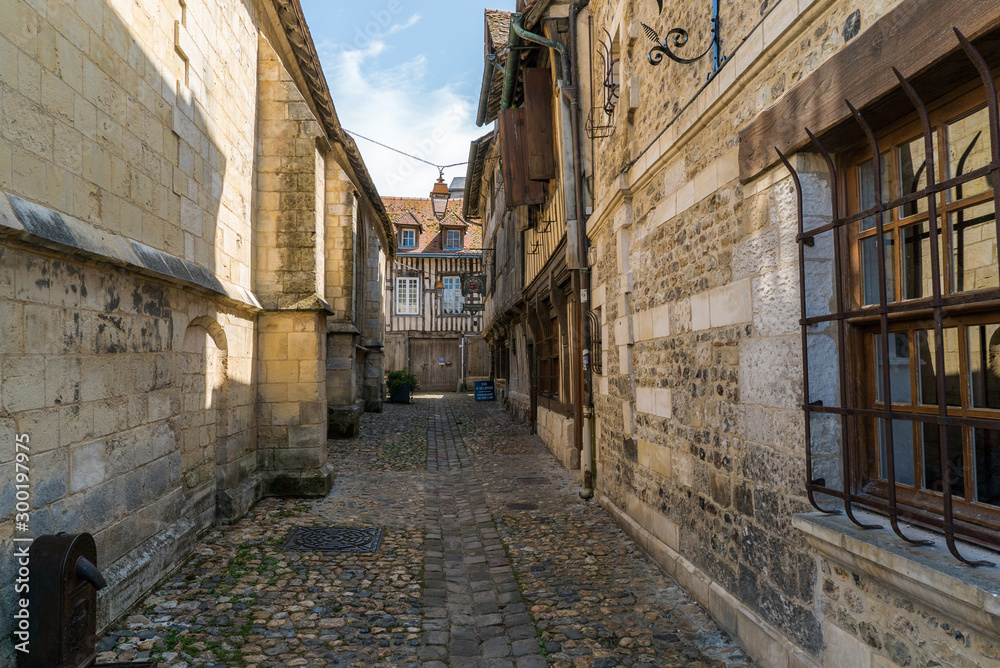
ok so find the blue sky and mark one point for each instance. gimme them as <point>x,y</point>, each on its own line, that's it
<point>406,73</point>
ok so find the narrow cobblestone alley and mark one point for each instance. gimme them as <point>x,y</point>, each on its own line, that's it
<point>488,558</point>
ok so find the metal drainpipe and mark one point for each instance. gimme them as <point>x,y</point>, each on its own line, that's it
<point>510,75</point>
<point>519,30</point>
<point>583,280</point>
<point>491,63</point>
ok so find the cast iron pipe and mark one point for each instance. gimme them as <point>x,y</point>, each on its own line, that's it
<point>586,402</point>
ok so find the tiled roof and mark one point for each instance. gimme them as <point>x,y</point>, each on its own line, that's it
<point>418,210</point>
<point>478,151</point>
<point>498,33</point>
<point>498,23</point>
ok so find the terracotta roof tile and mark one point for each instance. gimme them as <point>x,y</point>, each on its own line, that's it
<point>405,211</point>
<point>498,23</point>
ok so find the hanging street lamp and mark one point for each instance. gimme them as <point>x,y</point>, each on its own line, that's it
<point>440,196</point>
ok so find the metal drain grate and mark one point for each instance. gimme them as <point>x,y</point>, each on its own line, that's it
<point>521,506</point>
<point>534,480</point>
<point>333,539</point>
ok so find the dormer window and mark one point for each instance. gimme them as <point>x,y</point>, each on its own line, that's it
<point>408,238</point>
<point>453,240</point>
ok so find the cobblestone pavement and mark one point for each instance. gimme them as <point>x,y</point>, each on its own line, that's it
<point>488,558</point>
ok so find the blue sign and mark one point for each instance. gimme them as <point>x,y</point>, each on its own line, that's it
<point>485,390</point>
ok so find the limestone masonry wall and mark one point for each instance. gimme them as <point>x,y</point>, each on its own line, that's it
<point>163,177</point>
<point>695,276</point>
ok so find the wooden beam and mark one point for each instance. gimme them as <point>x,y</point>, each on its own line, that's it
<point>913,37</point>
<point>556,294</point>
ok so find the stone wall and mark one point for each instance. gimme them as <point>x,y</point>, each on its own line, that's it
<point>127,328</point>
<point>289,240</point>
<point>150,190</point>
<point>695,277</point>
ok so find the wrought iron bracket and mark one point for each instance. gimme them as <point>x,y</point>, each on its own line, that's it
<point>677,38</point>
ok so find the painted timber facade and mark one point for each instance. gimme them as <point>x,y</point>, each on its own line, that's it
<point>429,329</point>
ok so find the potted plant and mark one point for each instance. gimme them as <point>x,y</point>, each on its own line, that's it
<point>400,384</point>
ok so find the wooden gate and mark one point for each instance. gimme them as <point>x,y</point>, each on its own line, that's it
<point>436,363</point>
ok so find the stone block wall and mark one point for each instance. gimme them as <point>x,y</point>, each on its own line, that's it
<point>143,174</point>
<point>126,328</point>
<point>342,229</point>
<point>291,413</point>
<point>373,319</point>
<point>137,401</point>
<point>556,431</point>
<point>291,172</point>
<point>695,276</point>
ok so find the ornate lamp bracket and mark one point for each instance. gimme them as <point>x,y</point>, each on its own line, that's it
<point>677,38</point>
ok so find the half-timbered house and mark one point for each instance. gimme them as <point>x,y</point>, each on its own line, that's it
<point>433,326</point>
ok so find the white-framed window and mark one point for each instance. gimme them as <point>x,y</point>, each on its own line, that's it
<point>453,240</point>
<point>452,300</point>
<point>408,239</point>
<point>408,296</point>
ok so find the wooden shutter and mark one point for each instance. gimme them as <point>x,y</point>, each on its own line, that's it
<point>538,117</point>
<point>519,188</point>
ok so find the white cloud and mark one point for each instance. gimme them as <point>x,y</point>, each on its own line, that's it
<point>403,26</point>
<point>395,105</point>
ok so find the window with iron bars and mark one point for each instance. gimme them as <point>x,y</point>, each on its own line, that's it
<point>910,426</point>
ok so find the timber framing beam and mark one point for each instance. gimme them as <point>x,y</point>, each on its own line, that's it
<point>908,38</point>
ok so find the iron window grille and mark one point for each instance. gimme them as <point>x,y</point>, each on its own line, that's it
<point>596,347</point>
<point>877,313</point>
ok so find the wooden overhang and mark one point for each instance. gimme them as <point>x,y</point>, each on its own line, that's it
<point>916,37</point>
<point>476,172</point>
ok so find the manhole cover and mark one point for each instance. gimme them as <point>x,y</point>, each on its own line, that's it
<point>522,506</point>
<point>534,480</point>
<point>333,539</point>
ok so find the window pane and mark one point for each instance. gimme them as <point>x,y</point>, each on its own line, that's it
<point>987,448</point>
<point>984,365</point>
<point>867,188</point>
<point>902,450</point>
<point>869,270</point>
<point>974,248</point>
<point>912,175</point>
<point>927,367</point>
<point>968,149</point>
<point>825,434</point>
<point>899,367</point>
<point>933,479</point>
<point>916,269</point>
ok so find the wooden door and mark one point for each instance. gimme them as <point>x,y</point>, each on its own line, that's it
<point>436,363</point>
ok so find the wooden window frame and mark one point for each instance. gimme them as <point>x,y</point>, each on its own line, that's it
<point>448,246</point>
<point>402,238</point>
<point>404,284</point>
<point>863,331</point>
<point>548,362</point>
<point>444,296</point>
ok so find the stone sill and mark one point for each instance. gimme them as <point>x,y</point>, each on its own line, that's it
<point>929,575</point>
